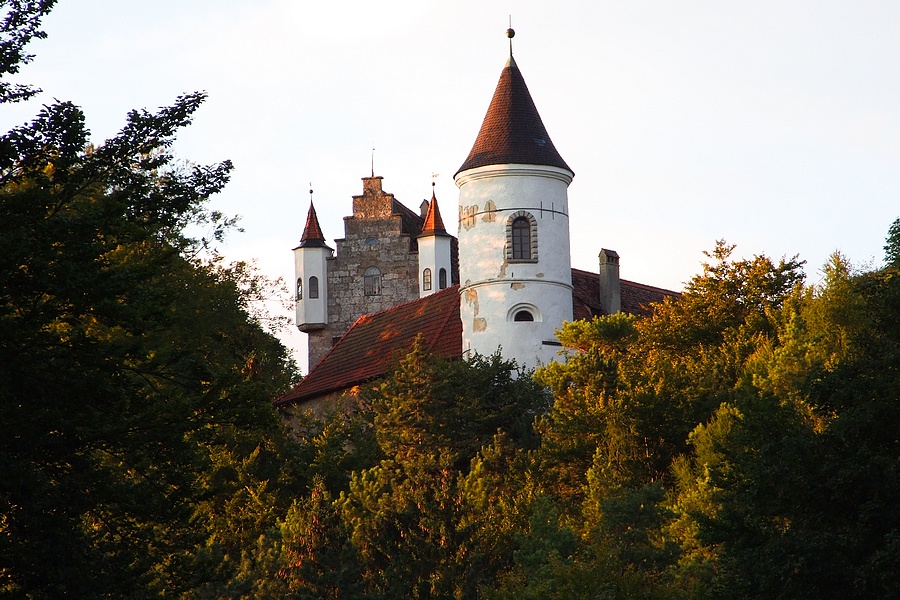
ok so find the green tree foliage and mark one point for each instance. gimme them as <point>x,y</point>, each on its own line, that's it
<point>892,247</point>
<point>791,487</point>
<point>739,442</point>
<point>139,449</point>
<point>710,448</point>
<point>21,23</point>
<point>412,515</point>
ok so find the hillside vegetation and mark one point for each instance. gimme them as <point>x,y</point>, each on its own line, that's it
<point>743,441</point>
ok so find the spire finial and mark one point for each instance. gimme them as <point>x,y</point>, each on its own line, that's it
<point>310,192</point>
<point>510,33</point>
<point>373,159</point>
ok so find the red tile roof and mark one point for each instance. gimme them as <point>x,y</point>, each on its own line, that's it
<point>434,224</point>
<point>636,297</point>
<point>374,343</point>
<point>312,233</point>
<point>512,131</point>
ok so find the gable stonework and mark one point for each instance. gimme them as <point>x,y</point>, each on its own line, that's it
<point>381,233</point>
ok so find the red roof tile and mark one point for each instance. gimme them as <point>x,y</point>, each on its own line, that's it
<point>434,224</point>
<point>636,297</point>
<point>312,233</point>
<point>374,343</point>
<point>512,131</point>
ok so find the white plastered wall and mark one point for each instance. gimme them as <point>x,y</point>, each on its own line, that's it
<point>434,254</point>
<point>311,262</point>
<point>493,287</point>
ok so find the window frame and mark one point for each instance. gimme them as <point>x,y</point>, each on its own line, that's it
<point>514,243</point>
<point>372,281</point>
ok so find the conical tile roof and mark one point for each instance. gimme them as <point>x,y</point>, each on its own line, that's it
<point>512,131</point>
<point>312,233</point>
<point>434,224</point>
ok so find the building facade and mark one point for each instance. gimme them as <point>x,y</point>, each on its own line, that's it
<point>505,284</point>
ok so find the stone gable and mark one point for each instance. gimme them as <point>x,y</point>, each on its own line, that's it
<point>381,234</point>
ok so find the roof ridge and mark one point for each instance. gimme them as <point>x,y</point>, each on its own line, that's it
<point>648,287</point>
<point>403,304</point>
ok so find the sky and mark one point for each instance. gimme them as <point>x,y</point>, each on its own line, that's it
<point>774,125</point>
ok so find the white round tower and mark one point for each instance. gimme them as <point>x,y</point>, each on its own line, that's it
<point>514,264</point>
<point>311,272</point>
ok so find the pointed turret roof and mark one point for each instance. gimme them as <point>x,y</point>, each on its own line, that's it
<point>434,224</point>
<point>312,233</point>
<point>512,131</point>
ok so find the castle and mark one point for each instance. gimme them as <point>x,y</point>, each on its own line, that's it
<point>505,283</point>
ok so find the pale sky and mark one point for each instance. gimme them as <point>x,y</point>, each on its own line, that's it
<point>771,124</point>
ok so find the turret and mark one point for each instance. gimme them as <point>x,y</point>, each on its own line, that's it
<point>514,264</point>
<point>434,251</point>
<point>311,271</point>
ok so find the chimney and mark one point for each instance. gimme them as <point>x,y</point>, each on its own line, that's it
<point>610,289</point>
<point>372,185</point>
<point>423,209</point>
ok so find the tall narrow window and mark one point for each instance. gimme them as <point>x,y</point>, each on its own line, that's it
<point>372,282</point>
<point>299,289</point>
<point>521,239</point>
<point>313,287</point>
<point>426,279</point>
<point>442,278</point>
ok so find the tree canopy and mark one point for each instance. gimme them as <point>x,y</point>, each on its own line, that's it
<point>139,451</point>
<point>738,442</point>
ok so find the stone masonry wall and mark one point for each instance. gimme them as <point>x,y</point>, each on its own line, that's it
<point>373,237</point>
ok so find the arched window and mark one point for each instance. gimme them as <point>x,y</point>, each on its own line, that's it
<point>313,287</point>
<point>426,279</point>
<point>372,282</point>
<point>299,289</point>
<point>521,239</point>
<point>442,278</point>
<point>524,313</point>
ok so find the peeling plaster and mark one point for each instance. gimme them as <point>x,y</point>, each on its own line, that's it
<point>467,216</point>
<point>517,286</point>
<point>472,300</point>
<point>489,215</point>
<point>479,324</point>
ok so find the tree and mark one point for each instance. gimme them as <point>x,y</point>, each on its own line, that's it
<point>21,23</point>
<point>892,246</point>
<point>139,446</point>
<point>442,428</point>
<point>789,491</point>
